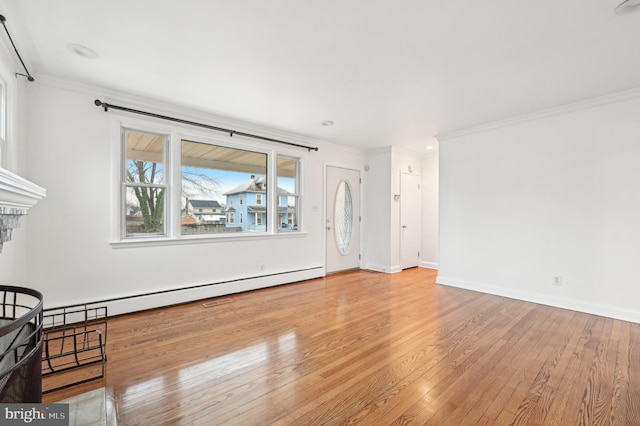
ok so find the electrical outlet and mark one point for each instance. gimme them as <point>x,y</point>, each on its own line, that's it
<point>557,280</point>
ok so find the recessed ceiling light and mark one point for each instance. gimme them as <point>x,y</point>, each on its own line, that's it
<point>627,6</point>
<point>429,147</point>
<point>83,51</point>
<point>327,123</point>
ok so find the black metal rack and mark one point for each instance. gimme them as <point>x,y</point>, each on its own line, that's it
<point>20,345</point>
<point>75,337</point>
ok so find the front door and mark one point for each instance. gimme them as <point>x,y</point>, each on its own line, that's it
<point>343,219</point>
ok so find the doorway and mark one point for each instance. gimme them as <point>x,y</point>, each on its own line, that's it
<point>342,219</point>
<point>410,230</point>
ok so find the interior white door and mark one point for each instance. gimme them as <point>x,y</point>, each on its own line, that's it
<point>410,230</point>
<point>343,219</point>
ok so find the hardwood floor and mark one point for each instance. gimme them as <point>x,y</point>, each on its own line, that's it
<point>371,349</point>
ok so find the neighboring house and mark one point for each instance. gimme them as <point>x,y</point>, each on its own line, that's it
<point>205,211</point>
<point>246,206</point>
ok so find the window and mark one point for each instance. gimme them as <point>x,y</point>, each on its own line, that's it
<point>3,123</point>
<point>176,187</point>
<point>288,189</point>
<point>143,183</point>
<point>219,174</point>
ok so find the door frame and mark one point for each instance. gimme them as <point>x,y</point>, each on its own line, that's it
<point>324,209</point>
<point>404,195</point>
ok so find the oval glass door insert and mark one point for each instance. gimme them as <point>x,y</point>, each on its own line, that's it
<point>343,217</point>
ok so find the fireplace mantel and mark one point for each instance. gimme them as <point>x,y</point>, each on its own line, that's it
<point>17,196</point>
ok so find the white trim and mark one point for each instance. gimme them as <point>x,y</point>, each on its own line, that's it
<point>394,269</point>
<point>17,192</point>
<point>380,268</point>
<point>550,112</point>
<point>3,122</point>
<point>172,165</point>
<point>135,303</point>
<point>201,239</point>
<point>361,200</point>
<point>544,299</point>
<point>170,108</point>
<point>428,265</point>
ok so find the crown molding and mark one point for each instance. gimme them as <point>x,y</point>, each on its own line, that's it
<point>165,107</point>
<point>599,101</point>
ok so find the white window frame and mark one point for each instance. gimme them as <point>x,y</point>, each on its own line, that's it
<point>3,123</point>
<point>166,172</point>
<point>297,194</point>
<point>258,199</point>
<point>172,176</point>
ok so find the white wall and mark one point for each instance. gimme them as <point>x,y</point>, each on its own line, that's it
<point>382,215</point>
<point>553,194</point>
<point>402,161</point>
<point>429,251</point>
<point>377,214</point>
<point>13,259</point>
<point>70,144</point>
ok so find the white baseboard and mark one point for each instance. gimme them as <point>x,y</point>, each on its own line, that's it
<point>545,299</point>
<point>428,265</point>
<point>385,269</point>
<point>395,269</point>
<point>175,296</point>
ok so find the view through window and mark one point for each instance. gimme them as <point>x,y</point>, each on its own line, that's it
<point>144,183</point>
<point>288,181</point>
<point>226,183</point>
<point>213,189</point>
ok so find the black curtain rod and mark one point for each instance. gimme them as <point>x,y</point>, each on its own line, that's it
<point>28,75</point>
<point>106,106</point>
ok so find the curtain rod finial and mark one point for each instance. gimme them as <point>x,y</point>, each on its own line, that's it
<point>98,102</point>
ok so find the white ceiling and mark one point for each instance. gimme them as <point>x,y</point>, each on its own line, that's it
<point>385,72</point>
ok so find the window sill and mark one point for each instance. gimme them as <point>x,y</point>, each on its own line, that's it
<point>200,239</point>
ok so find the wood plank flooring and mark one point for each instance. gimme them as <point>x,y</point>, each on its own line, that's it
<point>370,349</point>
